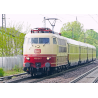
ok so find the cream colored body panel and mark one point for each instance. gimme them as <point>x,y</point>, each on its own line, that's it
<point>72,48</point>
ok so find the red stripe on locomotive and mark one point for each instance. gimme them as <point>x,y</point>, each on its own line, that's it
<point>40,58</point>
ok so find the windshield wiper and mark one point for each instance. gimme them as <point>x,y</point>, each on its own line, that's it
<point>45,43</point>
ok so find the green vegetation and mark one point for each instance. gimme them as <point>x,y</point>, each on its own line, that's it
<point>15,70</point>
<point>11,42</point>
<point>1,72</point>
<point>74,30</point>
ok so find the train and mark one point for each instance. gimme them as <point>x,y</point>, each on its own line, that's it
<point>45,51</point>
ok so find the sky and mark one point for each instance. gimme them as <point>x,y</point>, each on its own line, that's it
<point>30,14</point>
<point>30,21</point>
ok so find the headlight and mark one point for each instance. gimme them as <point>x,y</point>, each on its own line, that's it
<point>27,58</point>
<point>48,58</point>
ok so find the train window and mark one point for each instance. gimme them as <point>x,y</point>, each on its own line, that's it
<point>54,41</point>
<point>58,41</point>
<point>33,40</point>
<point>62,49</point>
<point>43,40</point>
<point>62,42</point>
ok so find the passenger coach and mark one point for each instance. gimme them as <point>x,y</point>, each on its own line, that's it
<point>45,51</point>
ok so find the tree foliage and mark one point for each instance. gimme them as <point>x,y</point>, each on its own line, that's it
<point>74,30</point>
<point>11,42</point>
<point>1,72</point>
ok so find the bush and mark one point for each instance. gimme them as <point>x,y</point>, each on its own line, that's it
<point>1,72</point>
<point>17,69</point>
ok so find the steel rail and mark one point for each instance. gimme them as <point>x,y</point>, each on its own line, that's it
<point>60,73</point>
<point>96,80</point>
<point>11,76</point>
<point>45,77</point>
<point>83,75</point>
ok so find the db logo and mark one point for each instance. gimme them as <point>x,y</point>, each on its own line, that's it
<point>37,51</point>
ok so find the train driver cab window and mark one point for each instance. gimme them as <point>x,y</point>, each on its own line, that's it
<point>54,41</point>
<point>43,40</point>
<point>33,41</point>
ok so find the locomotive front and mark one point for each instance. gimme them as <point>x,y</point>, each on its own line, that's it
<point>38,51</point>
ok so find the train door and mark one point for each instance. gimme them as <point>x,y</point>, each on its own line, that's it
<point>58,52</point>
<point>68,52</point>
<point>79,54</point>
<point>54,49</point>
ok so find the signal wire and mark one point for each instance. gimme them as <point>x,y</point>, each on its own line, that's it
<point>93,18</point>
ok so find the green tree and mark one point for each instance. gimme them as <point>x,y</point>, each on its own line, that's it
<point>11,42</point>
<point>72,30</point>
<point>75,31</point>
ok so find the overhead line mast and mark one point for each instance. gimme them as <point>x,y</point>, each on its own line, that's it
<point>3,26</point>
<point>4,21</point>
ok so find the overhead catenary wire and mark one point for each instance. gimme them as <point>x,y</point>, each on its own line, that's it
<point>93,18</point>
<point>66,17</point>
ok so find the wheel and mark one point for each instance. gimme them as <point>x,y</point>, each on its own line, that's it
<point>48,73</point>
<point>67,66</point>
<point>64,67</point>
<point>79,63</point>
<point>28,72</point>
<point>61,68</point>
<point>58,70</point>
<point>32,75</point>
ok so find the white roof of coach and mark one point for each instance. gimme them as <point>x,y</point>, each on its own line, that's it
<point>91,46</point>
<point>71,41</point>
<point>82,44</point>
<point>94,47</point>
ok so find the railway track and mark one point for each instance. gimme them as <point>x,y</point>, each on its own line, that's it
<point>25,78</point>
<point>88,77</point>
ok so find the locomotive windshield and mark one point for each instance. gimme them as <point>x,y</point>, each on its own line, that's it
<point>34,40</point>
<point>43,40</point>
<point>38,40</point>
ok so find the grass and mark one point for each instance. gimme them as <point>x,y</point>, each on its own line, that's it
<point>15,70</point>
<point>12,72</point>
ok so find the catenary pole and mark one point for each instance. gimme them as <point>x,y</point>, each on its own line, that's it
<point>3,26</point>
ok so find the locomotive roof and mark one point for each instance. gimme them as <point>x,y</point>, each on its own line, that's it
<point>38,34</point>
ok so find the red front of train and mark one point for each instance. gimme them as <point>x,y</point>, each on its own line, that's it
<point>38,62</point>
<point>35,60</point>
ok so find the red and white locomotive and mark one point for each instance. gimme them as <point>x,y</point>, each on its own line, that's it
<point>45,51</point>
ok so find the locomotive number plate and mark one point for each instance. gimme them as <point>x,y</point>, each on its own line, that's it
<point>37,51</point>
